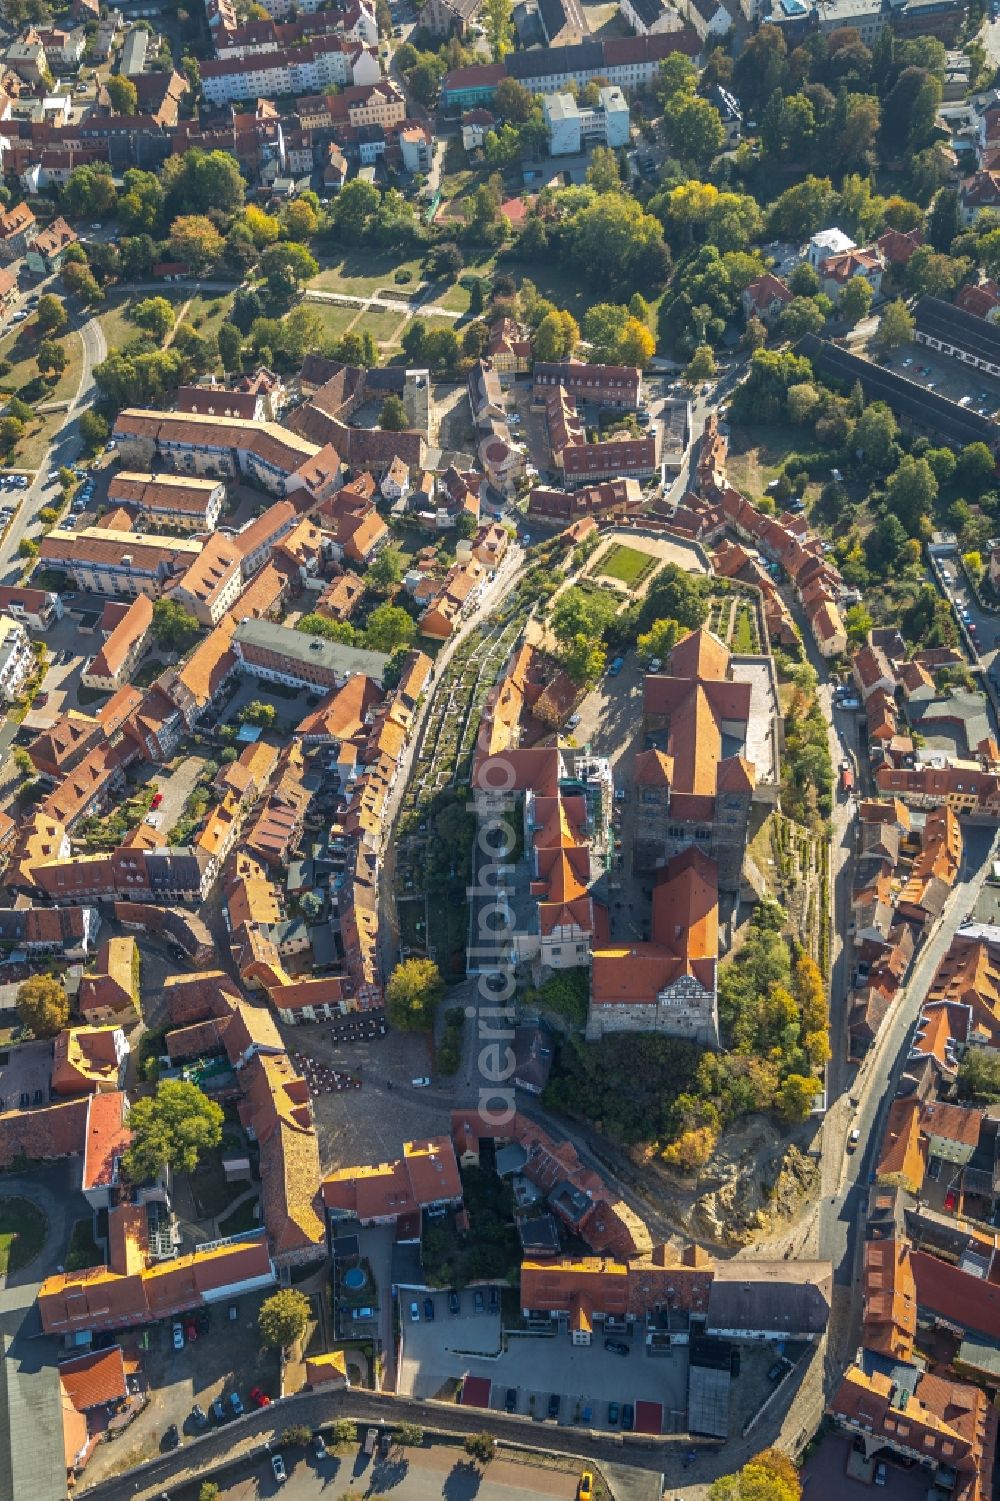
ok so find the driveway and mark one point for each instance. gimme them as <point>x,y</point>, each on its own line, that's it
<point>175,788</point>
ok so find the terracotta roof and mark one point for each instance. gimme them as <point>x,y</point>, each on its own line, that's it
<point>890,1298</point>
<point>904,1152</point>
<point>133,628</point>
<point>43,1135</point>
<point>427,1173</point>
<point>94,1379</point>
<point>952,1122</point>
<point>85,1060</point>
<point>213,570</point>
<point>187,494</point>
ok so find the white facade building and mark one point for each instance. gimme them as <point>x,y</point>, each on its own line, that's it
<point>313,69</point>
<point>572,129</point>
<point>16,659</point>
<point>827,243</point>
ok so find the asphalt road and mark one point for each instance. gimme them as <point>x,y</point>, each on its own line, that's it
<point>65,450</point>
<point>842,1211</point>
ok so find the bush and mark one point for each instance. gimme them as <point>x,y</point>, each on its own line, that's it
<point>296,1436</point>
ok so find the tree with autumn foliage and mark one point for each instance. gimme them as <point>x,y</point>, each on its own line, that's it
<point>769,1476</point>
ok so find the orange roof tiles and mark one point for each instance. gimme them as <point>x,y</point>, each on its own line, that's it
<point>94,1379</point>
<point>904,1152</point>
<point>890,1298</point>
<point>427,1173</point>
<point>107,1137</point>
<point>86,1060</point>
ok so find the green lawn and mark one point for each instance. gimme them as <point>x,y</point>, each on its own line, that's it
<point>625,563</point>
<point>242,1218</point>
<point>22,1233</point>
<point>335,318</point>
<point>114,319</point>
<point>208,312</point>
<point>83,1249</point>
<point>18,349</point>
<point>361,273</point>
<point>385,328</point>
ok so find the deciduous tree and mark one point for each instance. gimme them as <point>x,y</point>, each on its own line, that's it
<point>412,993</point>
<point>43,1005</point>
<point>51,315</point>
<point>122,94</point>
<point>896,325</point>
<point>174,1127</point>
<point>283,1318</point>
<point>195,239</point>
<point>174,627</point>
<point>155,315</point>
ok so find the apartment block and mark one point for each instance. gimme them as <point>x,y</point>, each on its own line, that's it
<point>100,561</point>
<point>16,657</point>
<point>182,501</point>
<point>279,654</point>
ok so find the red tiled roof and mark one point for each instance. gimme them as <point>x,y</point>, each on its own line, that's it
<point>95,1378</point>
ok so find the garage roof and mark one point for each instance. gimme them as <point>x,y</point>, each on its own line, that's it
<point>476,1391</point>
<point>649,1417</point>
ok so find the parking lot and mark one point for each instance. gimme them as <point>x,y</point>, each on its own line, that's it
<point>827,1472</point>
<point>200,1372</point>
<point>536,1367</point>
<point>938,372</point>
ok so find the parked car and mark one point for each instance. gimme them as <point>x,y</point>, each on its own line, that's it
<point>881,1473</point>
<point>157,800</point>
<point>781,1365</point>
<point>236,1404</point>
<point>218,1411</point>
<point>617,1346</point>
<point>233,1312</point>
<point>204,1319</point>
<point>655,664</point>
<point>616,667</point>
<point>454,1306</point>
<point>198,1414</point>
<point>510,1404</point>
<point>494,1300</point>
<point>429,1310</point>
<point>422,1083</point>
<point>414,1313</point>
<point>278,1466</point>
<point>191,1329</point>
<point>477,1301</point>
<point>259,1398</point>
<point>628,1417</point>
<point>554,1404</point>
<point>319,1446</point>
<point>172,1438</point>
<point>585,1489</point>
<point>572,721</point>
<point>177,1331</point>
<point>613,1413</point>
